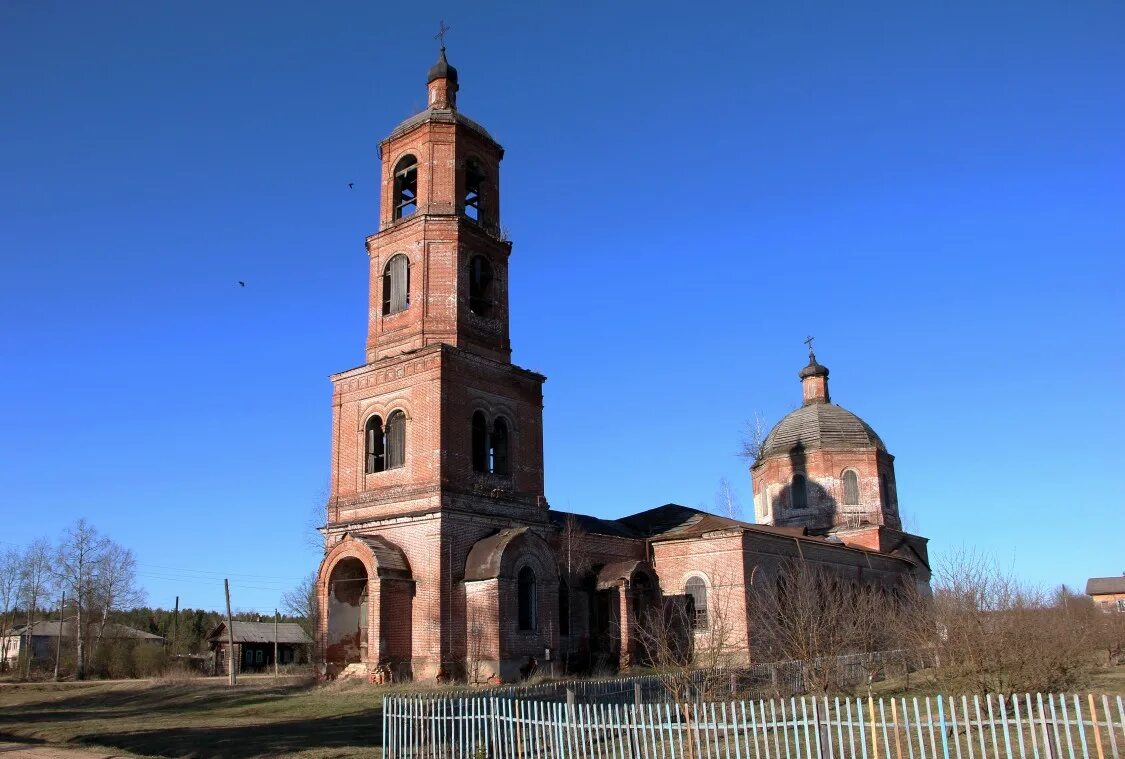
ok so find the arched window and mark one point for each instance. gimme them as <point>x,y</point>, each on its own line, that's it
<point>474,182</point>
<point>498,448</point>
<point>396,440</point>
<point>480,443</point>
<point>696,590</point>
<point>798,493</point>
<point>396,285</point>
<point>374,446</point>
<point>851,488</point>
<point>480,286</point>
<point>564,607</point>
<point>525,583</point>
<point>406,186</point>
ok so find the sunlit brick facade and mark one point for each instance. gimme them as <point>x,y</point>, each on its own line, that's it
<point>442,558</point>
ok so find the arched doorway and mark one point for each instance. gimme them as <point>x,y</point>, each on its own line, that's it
<point>347,612</point>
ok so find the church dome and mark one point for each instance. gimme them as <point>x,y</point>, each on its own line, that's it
<point>820,425</point>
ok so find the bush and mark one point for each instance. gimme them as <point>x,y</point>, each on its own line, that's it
<point>148,660</point>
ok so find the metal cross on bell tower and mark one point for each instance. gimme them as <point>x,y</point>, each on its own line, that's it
<point>442,30</point>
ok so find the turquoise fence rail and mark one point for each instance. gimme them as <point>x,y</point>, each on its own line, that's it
<point>1027,726</point>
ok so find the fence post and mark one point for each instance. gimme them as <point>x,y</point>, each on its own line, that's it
<point>637,693</point>
<point>824,746</point>
<point>570,698</point>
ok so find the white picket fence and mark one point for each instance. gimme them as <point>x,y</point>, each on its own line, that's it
<point>1051,726</point>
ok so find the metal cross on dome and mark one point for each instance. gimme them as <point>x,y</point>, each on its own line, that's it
<point>440,36</point>
<point>808,342</point>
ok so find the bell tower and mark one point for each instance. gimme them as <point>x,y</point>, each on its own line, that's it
<point>439,262</point>
<point>438,417</point>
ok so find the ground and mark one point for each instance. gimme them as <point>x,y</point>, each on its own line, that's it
<point>204,718</point>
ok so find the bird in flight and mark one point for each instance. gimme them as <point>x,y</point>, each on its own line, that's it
<point>351,185</point>
<point>241,283</point>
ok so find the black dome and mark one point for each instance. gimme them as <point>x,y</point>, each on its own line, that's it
<point>442,70</point>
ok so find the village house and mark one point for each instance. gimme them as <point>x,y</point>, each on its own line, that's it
<point>44,639</point>
<point>254,645</point>
<point>1108,592</point>
<point>442,556</point>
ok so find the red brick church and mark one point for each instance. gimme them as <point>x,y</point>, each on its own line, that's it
<point>441,553</point>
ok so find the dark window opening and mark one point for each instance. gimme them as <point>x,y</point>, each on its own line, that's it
<point>498,448</point>
<point>886,492</point>
<point>396,285</point>
<point>851,488</point>
<point>396,440</point>
<point>480,286</point>
<point>480,443</point>
<point>564,608</point>
<point>374,446</point>
<point>696,590</point>
<point>474,182</point>
<point>525,583</point>
<point>798,495</point>
<point>406,187</point>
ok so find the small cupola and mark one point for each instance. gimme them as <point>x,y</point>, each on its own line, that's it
<point>442,84</point>
<point>814,381</point>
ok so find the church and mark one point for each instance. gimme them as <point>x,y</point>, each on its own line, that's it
<point>442,557</point>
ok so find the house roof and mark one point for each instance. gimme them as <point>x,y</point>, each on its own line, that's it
<point>1097,586</point>
<point>113,631</point>
<point>260,632</point>
<point>820,425</point>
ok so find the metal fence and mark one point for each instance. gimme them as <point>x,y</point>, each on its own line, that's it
<point>770,680</point>
<point>1051,726</point>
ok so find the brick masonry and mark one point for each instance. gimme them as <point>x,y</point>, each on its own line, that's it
<point>420,573</point>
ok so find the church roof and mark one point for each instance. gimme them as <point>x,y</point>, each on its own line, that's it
<point>820,425</point>
<point>440,115</point>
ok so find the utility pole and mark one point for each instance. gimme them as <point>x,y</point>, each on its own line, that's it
<point>230,635</point>
<point>275,620</point>
<point>175,625</point>
<point>58,643</point>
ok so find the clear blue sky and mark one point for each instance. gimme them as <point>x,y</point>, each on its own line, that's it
<point>933,190</point>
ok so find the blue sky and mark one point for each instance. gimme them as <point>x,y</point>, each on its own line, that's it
<point>933,190</point>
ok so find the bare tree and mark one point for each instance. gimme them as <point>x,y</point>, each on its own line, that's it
<point>115,585</point>
<point>36,562</point>
<point>811,614</point>
<point>726,500</point>
<point>302,603</point>
<point>575,559</point>
<point>11,588</point>
<point>754,439</point>
<point>693,647</point>
<point>997,633</point>
<point>79,559</point>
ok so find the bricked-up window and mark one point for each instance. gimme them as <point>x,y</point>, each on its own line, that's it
<point>480,286</point>
<point>396,440</point>
<point>525,584</point>
<point>480,443</point>
<point>851,488</point>
<point>474,181</point>
<point>374,446</point>
<point>406,186</point>
<point>396,285</point>
<point>798,493</point>
<point>696,590</point>
<point>498,449</point>
<point>564,607</point>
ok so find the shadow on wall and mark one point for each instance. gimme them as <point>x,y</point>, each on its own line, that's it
<point>803,498</point>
